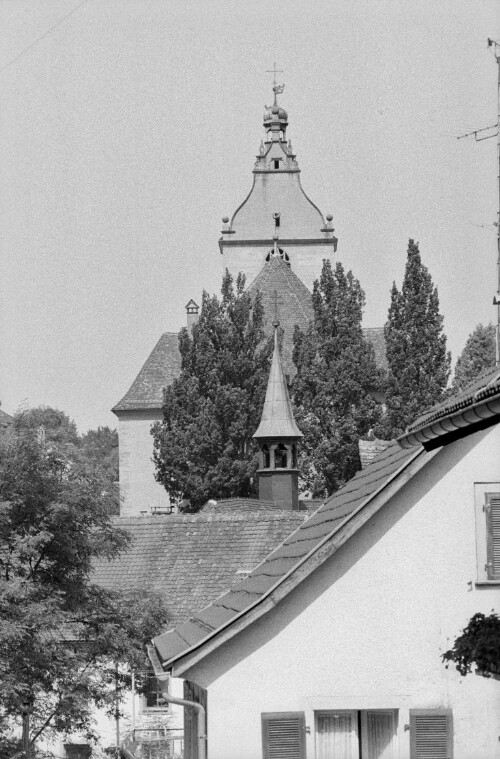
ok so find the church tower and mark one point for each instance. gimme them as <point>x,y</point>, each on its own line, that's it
<point>277,435</point>
<point>277,216</point>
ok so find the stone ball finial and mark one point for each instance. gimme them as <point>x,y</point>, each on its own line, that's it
<point>225,219</point>
<point>329,217</point>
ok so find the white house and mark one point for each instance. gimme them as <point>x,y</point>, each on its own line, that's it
<point>331,648</point>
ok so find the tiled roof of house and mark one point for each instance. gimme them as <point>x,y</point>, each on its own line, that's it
<point>193,558</point>
<point>255,505</point>
<point>314,540</point>
<point>479,401</point>
<point>159,371</point>
<point>294,304</point>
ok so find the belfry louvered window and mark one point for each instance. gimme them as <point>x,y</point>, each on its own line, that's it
<point>431,734</point>
<point>492,511</point>
<point>283,735</point>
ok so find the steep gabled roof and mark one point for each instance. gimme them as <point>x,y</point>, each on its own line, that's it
<point>192,558</point>
<point>294,304</point>
<point>161,368</point>
<point>302,551</point>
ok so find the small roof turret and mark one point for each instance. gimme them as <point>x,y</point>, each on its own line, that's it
<point>277,416</point>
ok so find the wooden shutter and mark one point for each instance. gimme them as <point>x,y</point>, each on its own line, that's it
<point>431,735</point>
<point>492,509</point>
<point>283,735</point>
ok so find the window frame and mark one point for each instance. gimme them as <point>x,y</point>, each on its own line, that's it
<point>159,708</point>
<point>483,492</point>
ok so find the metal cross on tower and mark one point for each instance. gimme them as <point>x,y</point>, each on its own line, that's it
<point>277,88</point>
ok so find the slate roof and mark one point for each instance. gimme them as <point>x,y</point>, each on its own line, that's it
<point>193,558</point>
<point>294,304</point>
<point>337,518</point>
<point>295,307</point>
<point>159,371</point>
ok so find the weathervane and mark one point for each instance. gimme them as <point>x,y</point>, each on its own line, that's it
<point>277,88</point>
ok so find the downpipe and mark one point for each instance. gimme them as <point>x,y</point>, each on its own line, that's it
<point>163,678</point>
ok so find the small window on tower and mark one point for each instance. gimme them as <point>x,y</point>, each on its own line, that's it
<point>276,164</point>
<point>280,457</point>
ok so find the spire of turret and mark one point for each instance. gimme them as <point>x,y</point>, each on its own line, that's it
<point>277,419</point>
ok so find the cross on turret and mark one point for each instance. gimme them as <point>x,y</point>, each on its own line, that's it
<point>277,88</point>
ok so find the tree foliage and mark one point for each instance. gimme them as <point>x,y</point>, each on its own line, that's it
<point>478,644</point>
<point>478,354</point>
<point>419,364</point>
<point>97,448</point>
<point>336,374</point>
<point>203,448</point>
<point>60,634</point>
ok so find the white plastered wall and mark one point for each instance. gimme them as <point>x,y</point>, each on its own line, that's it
<point>368,628</point>
<point>139,491</point>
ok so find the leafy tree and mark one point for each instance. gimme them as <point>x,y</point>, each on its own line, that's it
<point>478,354</point>
<point>478,644</point>
<point>54,426</point>
<point>203,448</point>
<point>336,374</point>
<point>419,364</point>
<point>100,446</point>
<point>61,636</point>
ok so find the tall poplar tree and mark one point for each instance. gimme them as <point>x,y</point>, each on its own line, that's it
<point>419,364</point>
<point>477,356</point>
<point>336,374</point>
<point>203,448</point>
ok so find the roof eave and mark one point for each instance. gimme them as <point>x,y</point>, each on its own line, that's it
<point>454,426</point>
<point>181,662</point>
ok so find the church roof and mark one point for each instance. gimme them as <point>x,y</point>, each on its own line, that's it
<point>161,368</point>
<point>310,544</point>
<point>193,558</point>
<point>277,419</point>
<point>294,304</point>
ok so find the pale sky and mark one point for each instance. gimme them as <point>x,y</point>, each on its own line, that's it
<point>129,129</point>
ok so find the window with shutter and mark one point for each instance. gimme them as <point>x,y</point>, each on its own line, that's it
<point>487,506</point>
<point>431,734</point>
<point>492,511</point>
<point>283,735</point>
